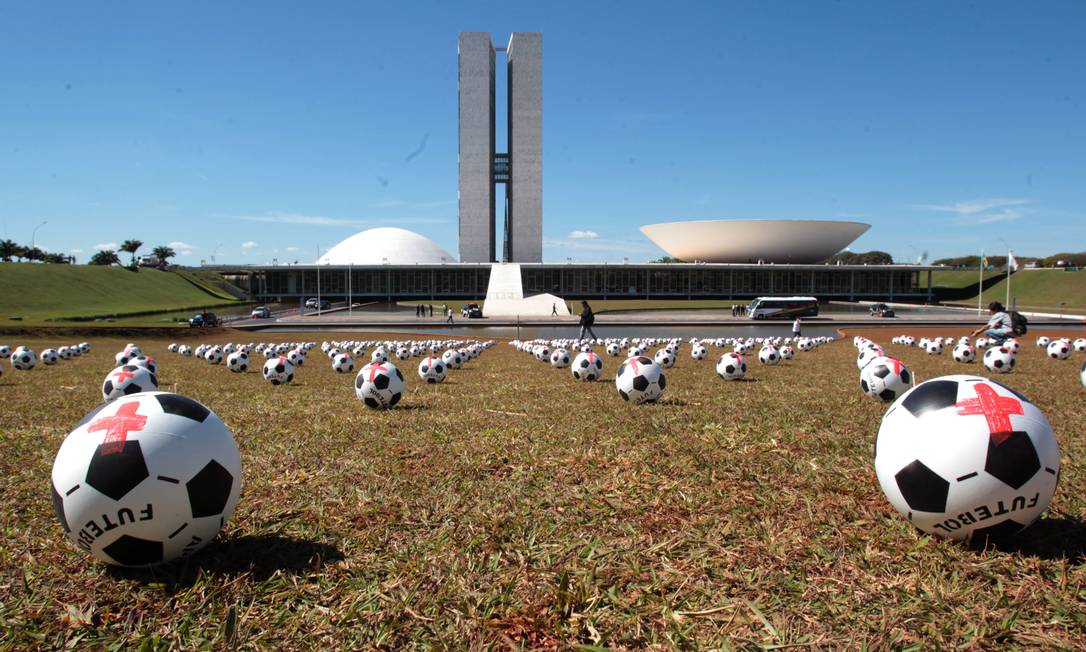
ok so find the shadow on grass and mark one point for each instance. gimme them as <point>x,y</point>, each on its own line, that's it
<point>1058,537</point>
<point>260,556</point>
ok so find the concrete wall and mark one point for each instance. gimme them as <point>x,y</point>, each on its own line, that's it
<point>525,65</point>
<point>476,120</point>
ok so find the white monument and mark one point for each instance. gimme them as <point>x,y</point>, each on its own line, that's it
<point>505,296</point>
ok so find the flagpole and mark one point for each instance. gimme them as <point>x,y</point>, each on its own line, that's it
<point>1010,257</point>
<point>980,282</point>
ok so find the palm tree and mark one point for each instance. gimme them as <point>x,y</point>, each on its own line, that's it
<point>8,248</point>
<point>107,257</point>
<point>34,253</point>
<point>21,252</point>
<point>163,253</point>
<point>131,247</point>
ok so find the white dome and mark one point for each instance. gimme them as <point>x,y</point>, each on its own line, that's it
<point>386,245</point>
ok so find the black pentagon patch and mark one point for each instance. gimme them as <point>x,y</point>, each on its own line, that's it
<point>424,369</point>
<point>887,395</point>
<point>290,377</point>
<point>730,369</point>
<point>662,382</point>
<point>438,368</point>
<point>398,374</point>
<point>358,381</point>
<point>275,381</point>
<point>996,533</point>
<point>1012,458</point>
<point>640,383</point>
<point>863,385</point>
<point>644,360</point>
<point>244,367</point>
<point>744,367</point>
<point>371,402</point>
<point>922,488</point>
<point>625,396</point>
<point>209,490</point>
<point>381,381</point>
<point>395,399</point>
<point>881,371</point>
<point>432,381</point>
<point>905,376</point>
<point>932,395</point>
<point>132,551</point>
<point>132,389</point>
<point>154,380</point>
<point>279,368</point>
<point>107,387</point>
<point>584,363</point>
<point>182,406</point>
<point>58,507</point>
<point>115,474</point>
<point>620,368</point>
<point>998,364</point>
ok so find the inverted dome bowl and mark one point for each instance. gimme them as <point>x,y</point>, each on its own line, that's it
<point>748,241</point>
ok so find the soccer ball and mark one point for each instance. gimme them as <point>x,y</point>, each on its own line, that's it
<point>665,358</point>
<point>640,380</point>
<point>699,352</point>
<point>296,357</point>
<point>885,378</point>
<point>731,366</point>
<point>127,380</point>
<point>1042,341</point>
<point>379,355</point>
<point>278,371</point>
<point>452,359</point>
<point>5,351</point>
<point>787,353</point>
<point>146,479</point>
<point>964,353</point>
<point>433,370</point>
<point>23,359</point>
<point>213,355</point>
<point>963,456</point>
<point>1082,374</point>
<point>982,342</point>
<point>867,354</point>
<point>560,359</point>
<point>935,347</point>
<point>613,349</point>
<point>999,359</point>
<point>1079,345</point>
<point>542,353</point>
<point>122,357</point>
<point>343,363</point>
<point>50,356</point>
<point>769,355</point>
<point>1057,350</point>
<point>379,385</point>
<point>238,362</point>
<point>587,366</point>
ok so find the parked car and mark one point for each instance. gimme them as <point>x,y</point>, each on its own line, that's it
<point>881,310</point>
<point>314,303</point>
<point>472,311</point>
<point>204,320</point>
<point>260,312</point>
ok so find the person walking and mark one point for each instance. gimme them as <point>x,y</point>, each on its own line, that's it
<point>448,315</point>
<point>797,327</point>
<point>587,319</point>
<point>1000,326</point>
<point>431,307</point>
<point>554,310</point>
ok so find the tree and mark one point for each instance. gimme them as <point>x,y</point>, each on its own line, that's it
<point>666,259</point>
<point>33,253</point>
<point>107,257</point>
<point>56,259</point>
<point>8,248</point>
<point>865,258</point>
<point>131,247</point>
<point>163,253</point>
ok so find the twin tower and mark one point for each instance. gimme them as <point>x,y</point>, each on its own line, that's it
<point>482,167</point>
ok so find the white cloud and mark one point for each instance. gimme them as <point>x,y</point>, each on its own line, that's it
<point>186,253</point>
<point>1006,215</point>
<point>102,246</point>
<point>75,251</point>
<point>177,244</point>
<point>974,206</point>
<point>292,248</point>
<point>248,244</point>
<point>583,235</point>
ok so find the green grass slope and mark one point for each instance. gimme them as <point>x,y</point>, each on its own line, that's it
<point>47,292</point>
<point>1040,288</point>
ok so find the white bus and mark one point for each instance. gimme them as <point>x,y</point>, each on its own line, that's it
<point>783,307</point>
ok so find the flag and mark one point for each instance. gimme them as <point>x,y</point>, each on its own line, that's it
<point>984,263</point>
<point>1012,264</point>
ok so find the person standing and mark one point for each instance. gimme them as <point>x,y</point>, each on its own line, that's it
<point>797,327</point>
<point>1000,326</point>
<point>431,307</point>
<point>448,315</point>
<point>587,319</point>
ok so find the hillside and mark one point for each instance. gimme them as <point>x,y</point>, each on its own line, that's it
<point>50,292</point>
<point>1031,289</point>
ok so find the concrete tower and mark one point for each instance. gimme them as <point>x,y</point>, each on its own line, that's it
<point>482,167</point>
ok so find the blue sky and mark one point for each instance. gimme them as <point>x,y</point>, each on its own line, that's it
<point>257,130</point>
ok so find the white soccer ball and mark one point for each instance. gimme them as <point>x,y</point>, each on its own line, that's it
<point>962,456</point>
<point>278,371</point>
<point>542,353</point>
<point>613,349</point>
<point>935,347</point>
<point>238,362</point>
<point>982,342</point>
<point>640,380</point>
<point>787,353</point>
<point>185,350</point>
<point>560,359</point>
<point>5,351</point>
<point>403,353</point>
<point>731,366</point>
<point>867,354</point>
<point>127,380</point>
<point>699,352</point>
<point>635,351</point>
<point>1057,350</point>
<point>885,378</point>
<point>49,357</point>
<point>1080,344</point>
<point>296,357</point>
<point>999,359</point>
<point>433,370</point>
<point>379,385</point>
<point>379,355</point>
<point>146,479</point>
<point>452,359</point>
<point>665,358</point>
<point>1042,341</point>
<point>964,353</point>
<point>213,355</point>
<point>587,366</point>
<point>23,359</point>
<point>343,363</point>
<point>122,357</point>
<point>769,355</point>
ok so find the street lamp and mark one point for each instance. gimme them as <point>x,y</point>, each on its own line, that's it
<point>34,233</point>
